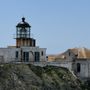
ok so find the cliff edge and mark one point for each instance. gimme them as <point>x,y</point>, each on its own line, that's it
<point>29,77</point>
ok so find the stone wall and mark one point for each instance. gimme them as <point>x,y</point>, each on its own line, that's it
<point>84,68</point>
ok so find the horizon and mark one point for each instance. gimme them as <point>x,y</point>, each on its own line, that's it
<point>56,25</point>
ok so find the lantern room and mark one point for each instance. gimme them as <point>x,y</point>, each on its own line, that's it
<point>23,37</point>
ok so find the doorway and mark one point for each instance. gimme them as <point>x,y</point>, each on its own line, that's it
<point>26,56</point>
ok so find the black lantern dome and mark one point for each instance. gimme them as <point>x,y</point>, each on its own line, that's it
<point>23,23</point>
<point>23,29</point>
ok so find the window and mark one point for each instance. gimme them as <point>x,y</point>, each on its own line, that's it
<point>69,53</point>
<point>78,67</point>
<point>16,54</point>
<point>42,53</point>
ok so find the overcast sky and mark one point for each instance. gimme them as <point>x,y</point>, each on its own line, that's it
<point>56,24</point>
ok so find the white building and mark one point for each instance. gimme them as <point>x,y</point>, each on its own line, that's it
<point>76,60</point>
<point>25,49</point>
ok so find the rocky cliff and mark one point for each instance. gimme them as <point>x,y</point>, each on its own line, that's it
<point>29,77</point>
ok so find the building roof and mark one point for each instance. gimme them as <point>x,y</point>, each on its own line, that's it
<point>82,53</point>
<point>23,23</point>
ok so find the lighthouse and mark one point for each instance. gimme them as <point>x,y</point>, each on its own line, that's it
<point>25,49</point>
<point>23,35</point>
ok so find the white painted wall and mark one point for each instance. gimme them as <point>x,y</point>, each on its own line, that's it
<point>8,54</point>
<point>85,68</point>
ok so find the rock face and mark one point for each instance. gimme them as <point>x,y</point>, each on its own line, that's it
<point>29,77</point>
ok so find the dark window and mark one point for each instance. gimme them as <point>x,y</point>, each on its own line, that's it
<point>23,56</point>
<point>69,53</point>
<point>37,56</point>
<point>16,54</point>
<point>78,67</point>
<point>42,53</point>
<point>33,42</point>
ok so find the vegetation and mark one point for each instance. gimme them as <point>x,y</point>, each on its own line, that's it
<point>29,77</point>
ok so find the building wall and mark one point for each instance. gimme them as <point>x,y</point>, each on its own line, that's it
<point>9,54</point>
<point>32,50</point>
<point>71,62</point>
<point>84,68</point>
<point>61,63</point>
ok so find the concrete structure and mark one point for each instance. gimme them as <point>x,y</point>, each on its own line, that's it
<point>76,60</point>
<point>25,49</point>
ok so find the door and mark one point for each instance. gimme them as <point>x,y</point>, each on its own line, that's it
<point>37,56</point>
<point>26,56</point>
